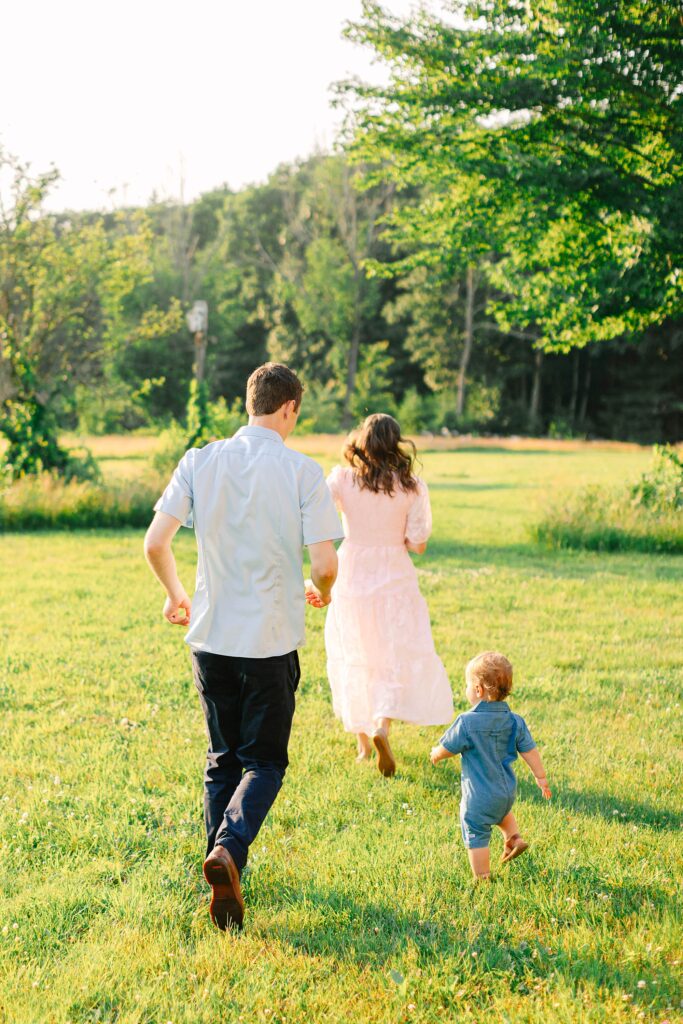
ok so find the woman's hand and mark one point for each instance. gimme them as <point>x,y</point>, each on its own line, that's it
<point>313,595</point>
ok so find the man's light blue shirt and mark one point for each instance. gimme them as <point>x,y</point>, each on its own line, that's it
<point>254,504</point>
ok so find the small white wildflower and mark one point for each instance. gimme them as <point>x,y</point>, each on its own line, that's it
<point>642,984</point>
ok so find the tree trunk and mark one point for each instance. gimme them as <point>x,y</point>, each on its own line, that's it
<point>583,412</point>
<point>200,340</point>
<point>574,400</point>
<point>469,341</point>
<point>535,404</point>
<point>351,373</point>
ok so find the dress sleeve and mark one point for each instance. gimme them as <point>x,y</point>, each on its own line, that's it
<point>419,523</point>
<point>455,737</point>
<point>524,739</point>
<point>178,498</point>
<point>319,519</point>
<point>334,482</point>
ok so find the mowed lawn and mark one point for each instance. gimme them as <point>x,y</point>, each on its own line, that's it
<point>360,902</point>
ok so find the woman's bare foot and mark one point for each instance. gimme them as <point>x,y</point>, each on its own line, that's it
<point>364,748</point>
<point>385,758</point>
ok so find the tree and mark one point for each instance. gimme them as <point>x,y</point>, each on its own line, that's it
<point>322,277</point>
<point>567,117</point>
<point>66,292</point>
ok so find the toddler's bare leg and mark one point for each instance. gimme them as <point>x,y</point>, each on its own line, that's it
<point>383,723</point>
<point>508,826</point>
<point>480,862</point>
<point>514,844</point>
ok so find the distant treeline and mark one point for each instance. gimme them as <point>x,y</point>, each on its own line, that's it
<point>281,266</point>
<point>499,248</point>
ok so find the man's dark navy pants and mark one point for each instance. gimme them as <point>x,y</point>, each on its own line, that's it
<point>248,705</point>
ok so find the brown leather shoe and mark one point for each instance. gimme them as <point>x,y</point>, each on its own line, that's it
<point>513,847</point>
<point>227,905</point>
<point>385,759</point>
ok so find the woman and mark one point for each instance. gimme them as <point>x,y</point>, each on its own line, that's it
<point>381,660</point>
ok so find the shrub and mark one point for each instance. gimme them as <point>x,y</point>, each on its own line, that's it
<point>662,488</point>
<point>645,517</point>
<point>221,420</point>
<point>47,502</point>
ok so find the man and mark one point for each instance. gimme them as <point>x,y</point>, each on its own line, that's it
<point>253,503</point>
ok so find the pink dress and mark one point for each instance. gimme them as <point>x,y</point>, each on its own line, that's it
<point>381,660</point>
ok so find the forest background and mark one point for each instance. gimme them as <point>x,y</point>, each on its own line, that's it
<point>495,247</point>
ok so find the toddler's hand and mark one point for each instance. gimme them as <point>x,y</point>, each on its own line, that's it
<point>542,784</point>
<point>434,754</point>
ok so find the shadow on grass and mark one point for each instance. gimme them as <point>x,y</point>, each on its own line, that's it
<point>620,810</point>
<point>378,935</point>
<point>480,487</point>
<point>529,557</point>
<point>498,450</point>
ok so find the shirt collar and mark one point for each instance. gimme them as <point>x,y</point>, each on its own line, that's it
<point>491,705</point>
<point>265,432</point>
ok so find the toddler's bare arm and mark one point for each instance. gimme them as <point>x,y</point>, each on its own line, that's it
<point>533,759</point>
<point>438,753</point>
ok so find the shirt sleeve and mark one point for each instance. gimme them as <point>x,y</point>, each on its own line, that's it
<point>455,737</point>
<point>178,499</point>
<point>419,524</point>
<point>334,482</point>
<point>319,519</point>
<point>524,738</point>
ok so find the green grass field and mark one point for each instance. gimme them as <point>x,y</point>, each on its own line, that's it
<point>360,903</point>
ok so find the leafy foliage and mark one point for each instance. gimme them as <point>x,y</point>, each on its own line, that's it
<point>547,132</point>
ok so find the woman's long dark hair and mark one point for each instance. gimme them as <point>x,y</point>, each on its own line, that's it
<point>380,457</point>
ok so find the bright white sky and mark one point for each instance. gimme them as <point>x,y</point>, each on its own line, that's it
<point>127,98</point>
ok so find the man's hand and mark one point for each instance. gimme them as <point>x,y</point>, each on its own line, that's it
<point>178,609</point>
<point>542,784</point>
<point>313,595</point>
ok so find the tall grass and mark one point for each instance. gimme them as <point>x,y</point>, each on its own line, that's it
<point>645,517</point>
<point>47,503</point>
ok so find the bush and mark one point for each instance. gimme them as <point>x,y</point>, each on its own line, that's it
<point>47,502</point>
<point>662,488</point>
<point>222,420</point>
<point>645,517</point>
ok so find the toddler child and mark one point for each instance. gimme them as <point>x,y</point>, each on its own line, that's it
<point>489,737</point>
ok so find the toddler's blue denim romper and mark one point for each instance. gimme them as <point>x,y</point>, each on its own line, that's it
<point>488,737</point>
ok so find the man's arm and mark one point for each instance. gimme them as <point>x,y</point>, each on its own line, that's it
<point>323,573</point>
<point>158,539</point>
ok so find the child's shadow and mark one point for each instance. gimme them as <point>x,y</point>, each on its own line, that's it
<point>612,808</point>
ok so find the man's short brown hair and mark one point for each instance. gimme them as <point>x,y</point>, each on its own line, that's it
<point>493,672</point>
<point>270,386</point>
